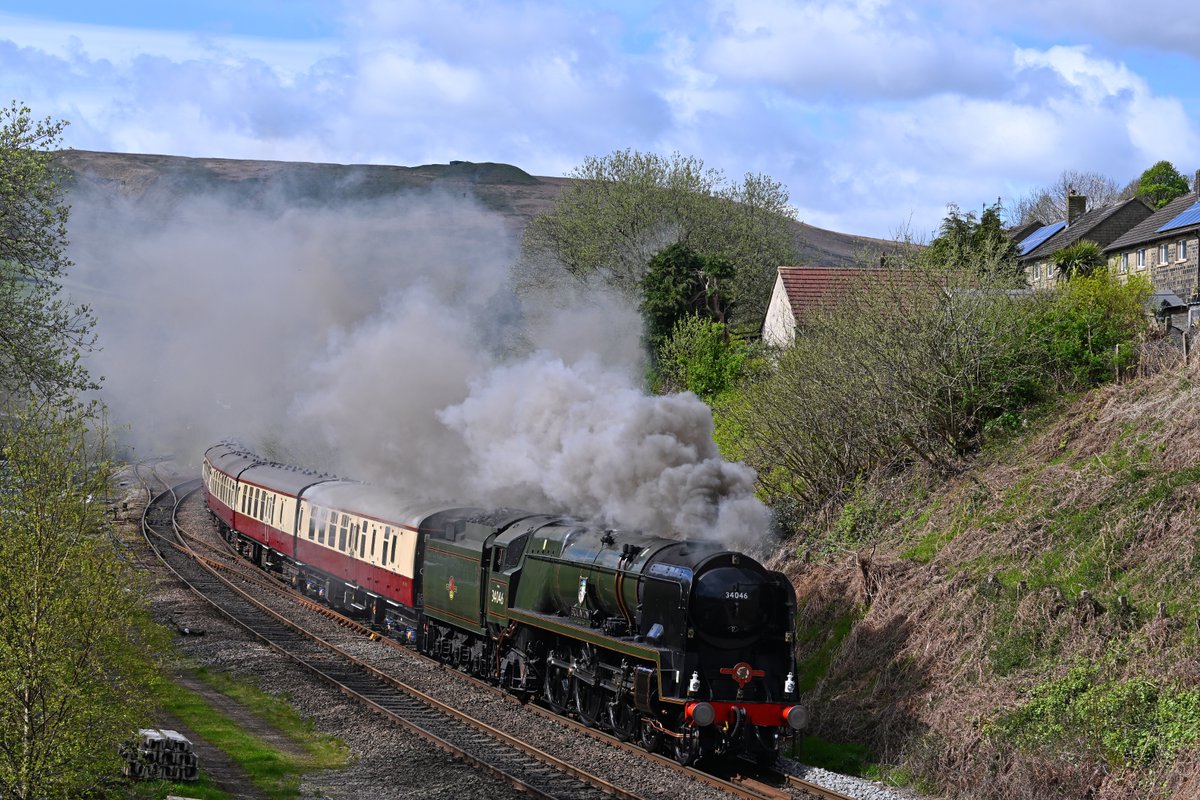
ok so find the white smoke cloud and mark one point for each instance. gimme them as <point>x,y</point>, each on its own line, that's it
<point>385,343</point>
<point>582,437</point>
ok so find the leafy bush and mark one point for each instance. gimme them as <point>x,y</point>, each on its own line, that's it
<point>1090,328</point>
<point>1082,258</point>
<point>918,365</point>
<point>1126,722</point>
<point>908,367</point>
<point>700,357</point>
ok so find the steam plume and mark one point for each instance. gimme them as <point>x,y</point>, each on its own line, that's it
<point>385,342</point>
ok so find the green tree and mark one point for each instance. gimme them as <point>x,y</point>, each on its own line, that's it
<point>76,644</point>
<point>679,282</point>
<point>700,357</point>
<point>980,242</point>
<point>1161,183</point>
<point>41,335</point>
<point>623,208</point>
<point>1082,258</point>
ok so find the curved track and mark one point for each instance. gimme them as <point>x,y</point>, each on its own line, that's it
<point>492,751</point>
<point>755,785</point>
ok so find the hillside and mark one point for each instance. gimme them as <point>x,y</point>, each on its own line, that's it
<point>161,182</point>
<point>1028,628</point>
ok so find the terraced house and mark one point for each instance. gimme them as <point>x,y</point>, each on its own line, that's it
<point>1103,226</point>
<point>1165,247</point>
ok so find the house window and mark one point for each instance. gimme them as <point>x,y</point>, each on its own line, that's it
<point>1163,253</point>
<point>1181,250</point>
<point>1141,258</point>
<point>1124,262</point>
<point>1037,271</point>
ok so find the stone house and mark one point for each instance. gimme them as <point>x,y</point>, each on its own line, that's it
<point>1100,225</point>
<point>1164,247</point>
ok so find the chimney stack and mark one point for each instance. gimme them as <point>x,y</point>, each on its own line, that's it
<point>1196,182</point>
<point>1076,205</point>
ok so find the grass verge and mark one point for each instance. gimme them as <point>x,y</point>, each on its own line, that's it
<point>276,773</point>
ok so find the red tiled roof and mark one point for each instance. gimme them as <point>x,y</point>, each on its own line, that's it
<point>822,287</point>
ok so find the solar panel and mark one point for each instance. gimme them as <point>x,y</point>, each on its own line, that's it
<point>1040,235</point>
<point>1190,216</point>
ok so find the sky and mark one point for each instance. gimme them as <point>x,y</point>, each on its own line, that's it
<point>874,115</point>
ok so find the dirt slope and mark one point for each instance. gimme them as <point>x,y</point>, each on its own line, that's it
<point>1028,628</point>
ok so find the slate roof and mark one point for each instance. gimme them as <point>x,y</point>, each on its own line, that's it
<point>1019,233</point>
<point>1035,238</point>
<point>1076,230</point>
<point>1164,300</point>
<point>1147,230</point>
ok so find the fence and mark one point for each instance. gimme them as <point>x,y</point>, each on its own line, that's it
<point>160,754</point>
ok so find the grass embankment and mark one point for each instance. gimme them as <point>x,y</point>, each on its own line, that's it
<point>1030,627</point>
<point>273,771</point>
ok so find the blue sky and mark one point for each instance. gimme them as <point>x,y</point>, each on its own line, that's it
<point>873,114</point>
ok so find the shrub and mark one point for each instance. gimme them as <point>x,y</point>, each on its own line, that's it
<point>1131,722</point>
<point>1090,328</point>
<point>700,357</point>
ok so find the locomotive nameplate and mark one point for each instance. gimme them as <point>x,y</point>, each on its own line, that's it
<point>671,571</point>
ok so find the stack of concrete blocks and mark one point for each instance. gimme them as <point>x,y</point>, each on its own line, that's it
<point>160,755</point>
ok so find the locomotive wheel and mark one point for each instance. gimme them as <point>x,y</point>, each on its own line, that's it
<point>687,747</point>
<point>623,720</point>
<point>589,702</point>
<point>769,742</point>
<point>651,737</point>
<point>557,689</point>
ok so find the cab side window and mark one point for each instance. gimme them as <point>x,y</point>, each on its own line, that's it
<point>516,548</point>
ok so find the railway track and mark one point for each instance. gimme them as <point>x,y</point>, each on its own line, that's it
<point>519,764</point>
<point>757,785</point>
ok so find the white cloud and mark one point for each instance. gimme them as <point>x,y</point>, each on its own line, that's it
<point>1061,108</point>
<point>859,49</point>
<point>1163,25</point>
<point>120,46</point>
<point>1104,102</point>
<point>868,111</point>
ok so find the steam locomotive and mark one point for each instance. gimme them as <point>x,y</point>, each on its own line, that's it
<point>685,646</point>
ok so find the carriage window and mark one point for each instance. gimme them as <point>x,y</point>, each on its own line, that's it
<point>362,545</point>
<point>395,539</point>
<point>374,532</point>
<point>321,526</point>
<point>387,535</point>
<point>345,530</point>
<point>353,538</point>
